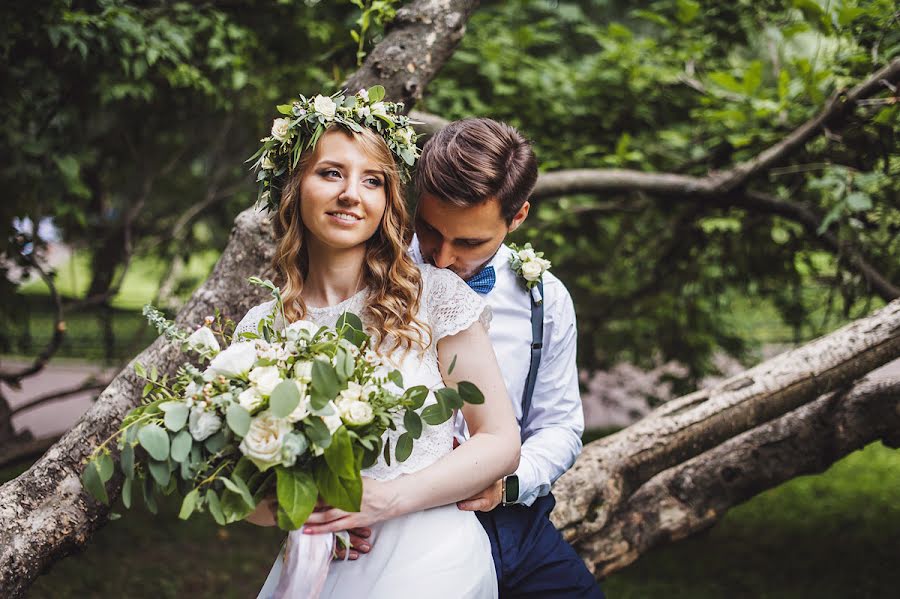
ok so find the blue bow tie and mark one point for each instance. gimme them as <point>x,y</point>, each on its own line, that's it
<point>483,281</point>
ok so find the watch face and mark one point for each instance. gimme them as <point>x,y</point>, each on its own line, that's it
<point>512,488</point>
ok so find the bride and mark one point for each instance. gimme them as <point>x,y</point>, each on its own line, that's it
<point>341,226</point>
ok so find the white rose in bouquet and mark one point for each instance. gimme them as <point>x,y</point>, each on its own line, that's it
<point>294,330</point>
<point>303,371</point>
<point>302,409</point>
<point>333,420</point>
<point>235,361</point>
<point>356,413</point>
<point>203,424</point>
<point>250,399</point>
<point>281,129</point>
<point>203,338</point>
<point>325,106</point>
<point>532,271</point>
<point>265,440</point>
<point>265,379</point>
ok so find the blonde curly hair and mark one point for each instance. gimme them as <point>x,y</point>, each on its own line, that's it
<point>393,280</point>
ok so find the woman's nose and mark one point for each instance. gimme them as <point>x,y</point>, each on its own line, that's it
<point>350,193</point>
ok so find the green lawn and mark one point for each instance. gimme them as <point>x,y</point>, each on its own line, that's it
<point>832,535</point>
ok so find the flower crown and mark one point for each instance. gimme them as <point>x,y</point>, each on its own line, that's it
<point>307,119</point>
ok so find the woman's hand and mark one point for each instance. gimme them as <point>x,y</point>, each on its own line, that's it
<point>380,502</point>
<point>264,514</point>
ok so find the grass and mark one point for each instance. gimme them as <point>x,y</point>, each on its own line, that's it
<point>836,534</point>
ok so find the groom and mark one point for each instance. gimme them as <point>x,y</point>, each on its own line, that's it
<point>474,180</point>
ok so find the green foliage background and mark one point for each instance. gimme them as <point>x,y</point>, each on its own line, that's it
<point>123,112</point>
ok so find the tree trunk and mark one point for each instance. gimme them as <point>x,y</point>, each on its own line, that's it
<point>679,469</point>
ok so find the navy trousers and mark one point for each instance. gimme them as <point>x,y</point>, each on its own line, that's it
<point>532,559</point>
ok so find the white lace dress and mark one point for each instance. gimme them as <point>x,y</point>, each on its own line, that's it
<point>438,553</point>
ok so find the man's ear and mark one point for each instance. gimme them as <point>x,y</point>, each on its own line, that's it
<point>520,216</point>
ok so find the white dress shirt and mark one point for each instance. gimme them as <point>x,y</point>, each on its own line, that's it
<point>551,438</point>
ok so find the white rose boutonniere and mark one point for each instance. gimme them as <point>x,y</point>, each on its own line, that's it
<point>531,266</point>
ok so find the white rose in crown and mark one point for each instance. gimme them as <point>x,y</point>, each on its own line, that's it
<point>267,162</point>
<point>235,361</point>
<point>281,129</point>
<point>203,424</point>
<point>203,339</point>
<point>265,379</point>
<point>265,439</point>
<point>325,106</point>
<point>379,109</point>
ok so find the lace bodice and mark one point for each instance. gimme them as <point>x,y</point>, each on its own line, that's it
<point>447,306</point>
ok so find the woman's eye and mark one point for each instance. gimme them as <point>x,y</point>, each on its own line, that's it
<point>375,182</point>
<point>331,173</point>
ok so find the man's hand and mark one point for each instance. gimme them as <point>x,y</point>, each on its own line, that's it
<point>359,543</point>
<point>484,501</point>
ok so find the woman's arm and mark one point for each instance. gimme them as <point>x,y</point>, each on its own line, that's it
<point>491,452</point>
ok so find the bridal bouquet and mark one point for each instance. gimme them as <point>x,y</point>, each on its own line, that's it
<point>299,410</point>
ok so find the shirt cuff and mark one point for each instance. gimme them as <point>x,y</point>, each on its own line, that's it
<point>529,487</point>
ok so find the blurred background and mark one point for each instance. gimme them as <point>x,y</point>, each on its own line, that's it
<point>126,129</point>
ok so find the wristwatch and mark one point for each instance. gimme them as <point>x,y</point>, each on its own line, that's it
<point>510,489</point>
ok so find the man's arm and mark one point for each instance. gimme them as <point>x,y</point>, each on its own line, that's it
<point>552,434</point>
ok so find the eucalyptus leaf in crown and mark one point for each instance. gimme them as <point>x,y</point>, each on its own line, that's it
<point>306,119</point>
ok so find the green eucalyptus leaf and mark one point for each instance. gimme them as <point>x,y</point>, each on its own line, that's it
<point>181,446</point>
<point>126,492</point>
<point>90,479</point>
<point>105,466</point>
<point>126,461</point>
<point>436,414</point>
<point>413,424</point>
<point>155,440</point>
<point>284,399</point>
<point>238,418</point>
<point>189,504</point>
<point>404,447</point>
<point>176,415</point>
<point>160,472</point>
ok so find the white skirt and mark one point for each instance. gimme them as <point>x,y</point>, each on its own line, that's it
<point>439,553</point>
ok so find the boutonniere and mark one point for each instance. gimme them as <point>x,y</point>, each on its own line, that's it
<point>529,265</point>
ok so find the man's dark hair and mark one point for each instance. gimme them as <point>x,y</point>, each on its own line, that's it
<point>469,161</point>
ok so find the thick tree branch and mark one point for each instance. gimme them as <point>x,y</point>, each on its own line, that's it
<point>696,494</point>
<point>418,42</point>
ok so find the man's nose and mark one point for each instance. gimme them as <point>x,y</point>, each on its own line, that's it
<point>443,256</point>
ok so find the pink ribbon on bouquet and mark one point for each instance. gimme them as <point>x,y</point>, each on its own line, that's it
<point>305,565</point>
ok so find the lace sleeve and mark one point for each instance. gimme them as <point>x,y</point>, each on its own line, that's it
<point>450,305</point>
<point>250,321</point>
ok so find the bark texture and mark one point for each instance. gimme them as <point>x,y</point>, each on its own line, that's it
<point>682,467</point>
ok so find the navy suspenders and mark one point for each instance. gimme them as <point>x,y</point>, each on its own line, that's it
<point>537,342</point>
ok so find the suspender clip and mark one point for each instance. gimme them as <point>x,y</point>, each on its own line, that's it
<point>537,345</point>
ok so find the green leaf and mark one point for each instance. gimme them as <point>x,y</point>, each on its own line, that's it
<point>90,479</point>
<point>339,455</point>
<point>342,493</point>
<point>237,485</point>
<point>470,393</point>
<point>155,440</point>
<point>416,395</point>
<point>436,414</point>
<point>285,109</point>
<point>395,377</point>
<point>126,460</point>
<point>189,504</point>
<point>215,442</point>
<point>404,447</point>
<point>449,397</point>
<point>238,417</point>
<point>150,495</point>
<point>387,451</point>
<point>452,365</point>
<point>215,507</point>
<point>349,319</point>
<point>285,397</point>
<point>160,472</point>
<point>181,446</point>
<point>297,493</point>
<point>413,424</point>
<point>325,385</point>
<point>345,365</point>
<point>857,201</point>
<point>317,431</point>
<point>376,93</point>
<point>105,467</point>
<point>234,507</point>
<point>176,415</point>
<point>126,492</point>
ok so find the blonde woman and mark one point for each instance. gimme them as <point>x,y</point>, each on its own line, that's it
<point>342,227</point>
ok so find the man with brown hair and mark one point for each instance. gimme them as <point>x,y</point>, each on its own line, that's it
<point>474,180</point>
